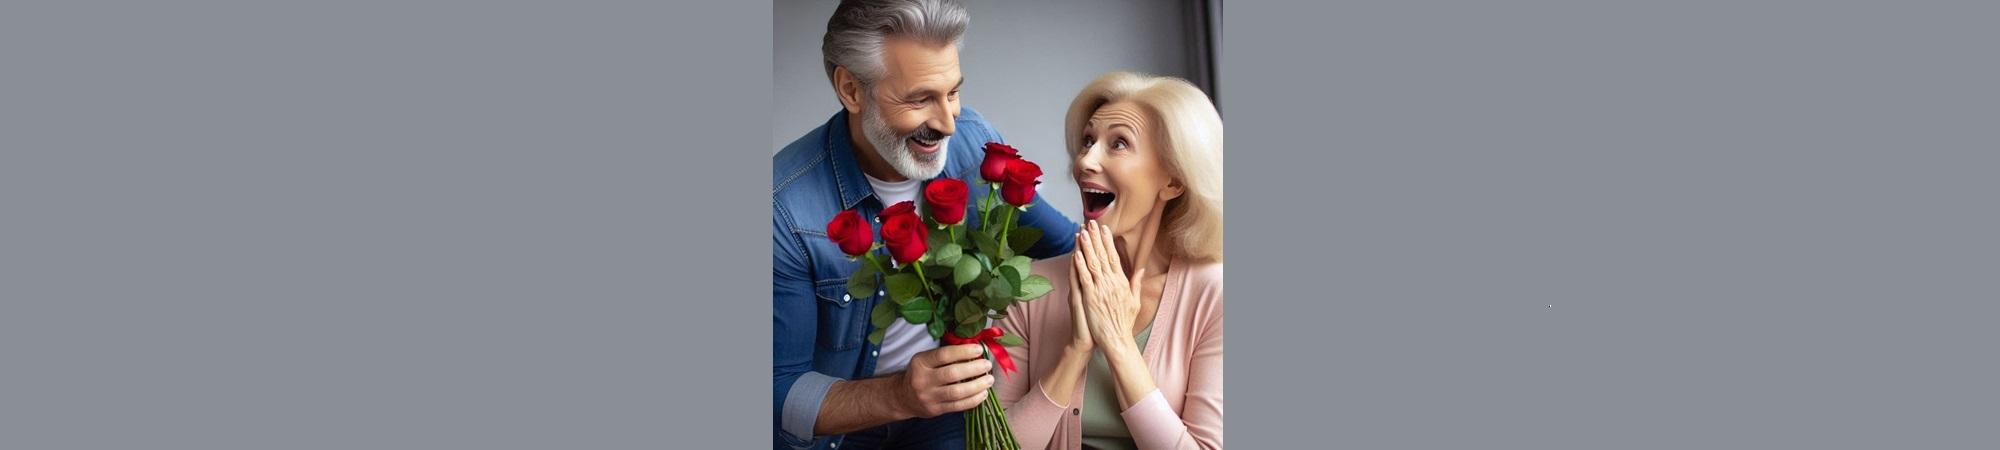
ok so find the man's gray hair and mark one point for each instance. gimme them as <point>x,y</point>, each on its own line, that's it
<point>855,33</point>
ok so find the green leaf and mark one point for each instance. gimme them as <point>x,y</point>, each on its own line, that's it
<point>905,286</point>
<point>1020,265</point>
<point>1010,340</point>
<point>876,336</point>
<point>936,238</point>
<point>1035,287</point>
<point>1022,237</point>
<point>1000,288</point>
<point>883,315</point>
<point>1013,280</point>
<point>919,310</point>
<point>861,283</point>
<point>968,329</point>
<point>983,240</point>
<point>948,255</point>
<point>999,303</point>
<point>937,330</point>
<point>965,271</point>
<point>999,215</point>
<point>968,310</point>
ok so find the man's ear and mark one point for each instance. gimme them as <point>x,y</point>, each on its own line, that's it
<point>848,88</point>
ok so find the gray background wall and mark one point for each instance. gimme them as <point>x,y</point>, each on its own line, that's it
<point>1023,61</point>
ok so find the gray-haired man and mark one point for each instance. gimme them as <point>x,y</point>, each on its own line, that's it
<point>894,67</point>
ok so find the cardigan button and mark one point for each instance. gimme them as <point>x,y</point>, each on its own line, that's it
<point>1077,411</point>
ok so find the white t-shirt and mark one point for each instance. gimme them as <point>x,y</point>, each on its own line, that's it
<point>904,339</point>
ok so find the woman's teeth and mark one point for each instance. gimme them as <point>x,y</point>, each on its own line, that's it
<point>1095,200</point>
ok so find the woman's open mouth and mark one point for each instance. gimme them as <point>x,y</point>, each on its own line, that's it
<point>1096,200</point>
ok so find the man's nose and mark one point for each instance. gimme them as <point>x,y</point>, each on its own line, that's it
<point>944,124</point>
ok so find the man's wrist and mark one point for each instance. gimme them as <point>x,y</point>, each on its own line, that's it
<point>899,396</point>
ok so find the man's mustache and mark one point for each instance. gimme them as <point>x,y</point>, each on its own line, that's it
<point>928,134</point>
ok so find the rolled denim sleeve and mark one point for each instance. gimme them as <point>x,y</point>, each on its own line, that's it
<point>796,390</point>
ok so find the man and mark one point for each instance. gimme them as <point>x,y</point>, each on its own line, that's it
<point>894,67</point>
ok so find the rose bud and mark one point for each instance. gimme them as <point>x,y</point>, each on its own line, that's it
<point>904,233</point>
<point>1019,187</point>
<point>946,199</point>
<point>994,168</point>
<point>850,232</point>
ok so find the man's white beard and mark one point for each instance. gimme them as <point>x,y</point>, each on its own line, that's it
<point>896,149</point>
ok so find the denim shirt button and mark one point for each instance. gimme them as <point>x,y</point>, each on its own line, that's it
<point>844,298</point>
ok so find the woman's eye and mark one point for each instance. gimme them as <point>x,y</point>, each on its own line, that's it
<point>1087,141</point>
<point>1120,144</point>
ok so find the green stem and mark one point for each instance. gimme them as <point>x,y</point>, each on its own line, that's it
<point>1007,226</point>
<point>919,265</point>
<point>986,207</point>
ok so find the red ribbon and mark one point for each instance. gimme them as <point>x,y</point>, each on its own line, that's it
<point>991,338</point>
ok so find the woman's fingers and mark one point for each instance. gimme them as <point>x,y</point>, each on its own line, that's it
<point>1082,263</point>
<point>1107,249</point>
<point>1091,253</point>
<point>1104,259</point>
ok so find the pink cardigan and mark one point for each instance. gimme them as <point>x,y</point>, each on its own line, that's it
<point>1184,352</point>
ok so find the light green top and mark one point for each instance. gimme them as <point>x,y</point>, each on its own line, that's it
<point>1103,420</point>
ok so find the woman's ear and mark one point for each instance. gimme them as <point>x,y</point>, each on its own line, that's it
<point>1172,191</point>
<point>848,88</point>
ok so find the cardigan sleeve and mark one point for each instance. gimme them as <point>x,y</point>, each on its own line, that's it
<point>1155,425</point>
<point>1033,414</point>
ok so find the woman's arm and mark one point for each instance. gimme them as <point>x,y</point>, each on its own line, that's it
<point>1032,412</point>
<point>1153,423</point>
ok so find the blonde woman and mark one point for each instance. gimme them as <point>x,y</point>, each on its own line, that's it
<point>1126,352</point>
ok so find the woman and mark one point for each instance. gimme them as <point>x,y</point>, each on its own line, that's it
<point>1130,361</point>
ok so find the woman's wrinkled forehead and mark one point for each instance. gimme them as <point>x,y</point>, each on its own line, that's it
<point>1119,114</point>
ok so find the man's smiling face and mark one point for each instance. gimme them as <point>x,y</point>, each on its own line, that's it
<point>907,114</point>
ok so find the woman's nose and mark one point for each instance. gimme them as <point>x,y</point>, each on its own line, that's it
<point>1086,160</point>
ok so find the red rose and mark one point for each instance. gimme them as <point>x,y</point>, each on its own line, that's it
<point>850,232</point>
<point>904,233</point>
<point>994,168</point>
<point>899,209</point>
<point>946,199</point>
<point>1019,187</point>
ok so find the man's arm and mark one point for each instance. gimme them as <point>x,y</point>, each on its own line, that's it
<point>796,390</point>
<point>807,404</point>
<point>1058,232</point>
<point>943,380</point>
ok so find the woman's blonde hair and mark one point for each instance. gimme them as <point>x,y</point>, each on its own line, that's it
<point>1190,134</point>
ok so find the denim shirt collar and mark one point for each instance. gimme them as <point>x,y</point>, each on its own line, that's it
<point>847,174</point>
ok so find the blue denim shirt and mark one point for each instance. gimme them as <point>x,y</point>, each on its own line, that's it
<point>819,333</point>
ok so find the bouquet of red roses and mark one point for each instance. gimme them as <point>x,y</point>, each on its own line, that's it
<point>950,277</point>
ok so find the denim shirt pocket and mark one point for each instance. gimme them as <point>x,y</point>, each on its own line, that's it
<point>842,323</point>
